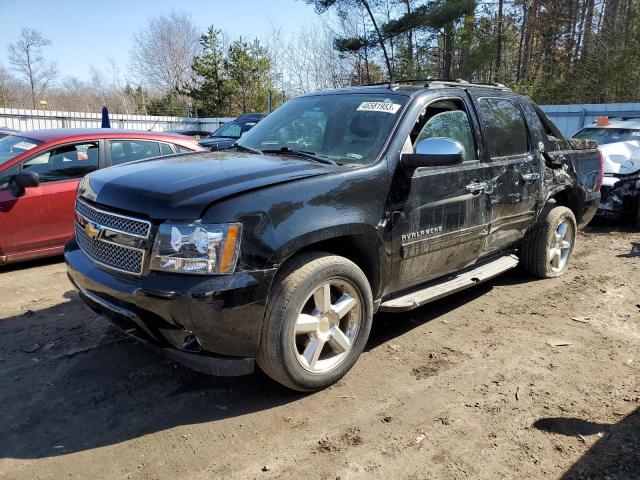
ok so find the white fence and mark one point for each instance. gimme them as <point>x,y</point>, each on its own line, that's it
<point>25,120</point>
<point>568,118</point>
<point>571,118</point>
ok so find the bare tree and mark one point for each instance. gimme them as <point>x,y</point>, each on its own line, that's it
<point>25,56</point>
<point>163,51</point>
<point>306,61</point>
<point>8,87</point>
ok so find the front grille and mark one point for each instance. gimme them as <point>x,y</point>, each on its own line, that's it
<point>121,223</point>
<point>117,257</point>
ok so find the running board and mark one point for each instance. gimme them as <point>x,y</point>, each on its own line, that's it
<point>450,285</point>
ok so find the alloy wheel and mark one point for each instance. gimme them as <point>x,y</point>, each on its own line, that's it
<point>327,326</point>
<point>561,246</point>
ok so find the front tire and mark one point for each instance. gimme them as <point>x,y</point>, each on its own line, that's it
<point>547,249</point>
<point>317,321</point>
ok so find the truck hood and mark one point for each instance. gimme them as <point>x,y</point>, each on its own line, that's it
<point>621,158</point>
<point>182,187</point>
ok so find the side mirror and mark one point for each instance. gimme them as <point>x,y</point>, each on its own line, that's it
<point>23,180</point>
<point>435,152</point>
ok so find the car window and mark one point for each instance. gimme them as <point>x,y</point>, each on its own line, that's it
<point>504,127</point>
<point>13,145</point>
<point>5,177</point>
<point>232,130</point>
<point>551,137</point>
<point>346,128</point>
<point>549,127</point>
<point>451,124</point>
<point>123,151</point>
<point>183,149</point>
<point>609,135</point>
<point>165,149</point>
<point>65,162</point>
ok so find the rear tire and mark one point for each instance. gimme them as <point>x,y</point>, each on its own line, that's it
<point>547,249</point>
<point>317,321</point>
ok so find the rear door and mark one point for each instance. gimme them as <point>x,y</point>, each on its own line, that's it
<point>441,221</point>
<point>43,218</point>
<point>514,168</point>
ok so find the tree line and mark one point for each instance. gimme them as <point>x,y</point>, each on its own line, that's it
<point>556,51</point>
<point>569,51</point>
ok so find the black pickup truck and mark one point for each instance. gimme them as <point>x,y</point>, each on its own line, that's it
<point>339,204</point>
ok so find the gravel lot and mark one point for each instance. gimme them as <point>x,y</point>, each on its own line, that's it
<point>517,378</point>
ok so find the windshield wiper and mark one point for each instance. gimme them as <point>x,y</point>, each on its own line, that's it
<point>244,149</point>
<point>301,153</point>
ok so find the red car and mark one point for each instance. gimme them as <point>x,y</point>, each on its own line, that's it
<point>39,174</point>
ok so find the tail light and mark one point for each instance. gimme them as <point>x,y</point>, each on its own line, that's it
<point>601,170</point>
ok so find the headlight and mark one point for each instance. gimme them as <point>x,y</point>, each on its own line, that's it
<point>199,249</point>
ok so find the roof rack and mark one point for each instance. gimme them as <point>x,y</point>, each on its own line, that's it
<point>439,83</point>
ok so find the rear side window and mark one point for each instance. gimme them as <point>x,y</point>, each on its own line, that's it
<point>183,149</point>
<point>504,127</point>
<point>165,149</point>
<point>549,127</point>
<point>123,151</point>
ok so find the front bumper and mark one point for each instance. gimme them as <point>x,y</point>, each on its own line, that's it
<point>208,323</point>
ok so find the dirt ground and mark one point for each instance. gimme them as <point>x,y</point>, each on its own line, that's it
<point>517,378</point>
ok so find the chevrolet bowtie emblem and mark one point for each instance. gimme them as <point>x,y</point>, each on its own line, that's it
<point>91,230</point>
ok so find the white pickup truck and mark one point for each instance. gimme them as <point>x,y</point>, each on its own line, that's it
<point>619,141</point>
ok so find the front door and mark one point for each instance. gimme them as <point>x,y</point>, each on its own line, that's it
<point>440,221</point>
<point>42,219</point>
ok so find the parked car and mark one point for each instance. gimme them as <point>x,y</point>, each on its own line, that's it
<point>335,206</point>
<point>37,221</point>
<point>228,133</point>
<point>7,131</point>
<point>193,133</point>
<point>619,141</point>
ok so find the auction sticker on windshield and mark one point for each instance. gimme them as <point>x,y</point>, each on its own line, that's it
<point>379,107</point>
<point>24,145</point>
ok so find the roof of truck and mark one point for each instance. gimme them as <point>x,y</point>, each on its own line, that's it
<point>411,87</point>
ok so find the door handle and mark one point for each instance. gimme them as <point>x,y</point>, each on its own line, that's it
<point>476,187</point>
<point>531,177</point>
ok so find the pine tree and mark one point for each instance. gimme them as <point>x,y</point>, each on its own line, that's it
<point>212,88</point>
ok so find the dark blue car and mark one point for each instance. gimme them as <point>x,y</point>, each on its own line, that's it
<point>228,133</point>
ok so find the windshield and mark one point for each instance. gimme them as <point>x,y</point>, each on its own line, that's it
<point>609,135</point>
<point>11,146</point>
<point>346,128</point>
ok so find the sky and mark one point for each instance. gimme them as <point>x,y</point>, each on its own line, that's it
<point>89,32</point>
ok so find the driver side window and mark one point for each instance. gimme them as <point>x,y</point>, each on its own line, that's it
<point>445,119</point>
<point>7,175</point>
<point>65,163</point>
